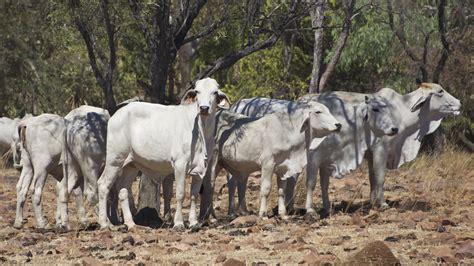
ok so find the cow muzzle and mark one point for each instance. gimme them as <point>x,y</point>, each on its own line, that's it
<point>204,110</point>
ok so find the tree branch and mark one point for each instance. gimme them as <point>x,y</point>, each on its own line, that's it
<point>136,12</point>
<point>442,33</point>
<point>187,21</point>
<point>400,33</point>
<point>341,42</point>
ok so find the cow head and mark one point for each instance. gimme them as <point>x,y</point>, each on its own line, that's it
<point>436,100</point>
<point>207,95</point>
<point>320,120</point>
<point>378,115</point>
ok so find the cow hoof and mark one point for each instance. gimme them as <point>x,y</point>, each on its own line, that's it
<point>18,225</point>
<point>130,226</point>
<point>384,206</point>
<point>84,225</point>
<point>232,216</point>
<point>310,210</point>
<point>179,227</point>
<point>105,226</point>
<point>61,228</point>
<point>284,217</point>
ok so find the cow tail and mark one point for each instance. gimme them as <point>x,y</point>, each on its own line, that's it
<point>65,155</point>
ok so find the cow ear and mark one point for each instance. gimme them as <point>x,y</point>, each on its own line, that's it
<point>419,103</point>
<point>222,100</point>
<point>189,97</point>
<point>305,124</point>
<point>367,100</point>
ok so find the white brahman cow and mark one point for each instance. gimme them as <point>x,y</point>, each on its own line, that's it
<point>275,143</point>
<point>162,140</point>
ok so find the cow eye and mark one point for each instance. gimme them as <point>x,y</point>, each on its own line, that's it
<point>215,93</point>
<point>440,91</point>
<point>375,109</point>
<point>318,112</point>
<point>197,92</point>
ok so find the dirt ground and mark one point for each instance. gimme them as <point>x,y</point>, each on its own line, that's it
<point>431,220</point>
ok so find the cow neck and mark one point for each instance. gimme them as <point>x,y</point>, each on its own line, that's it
<point>295,120</point>
<point>410,119</point>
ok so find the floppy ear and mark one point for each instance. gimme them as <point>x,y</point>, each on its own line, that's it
<point>305,124</point>
<point>222,100</point>
<point>419,103</point>
<point>189,97</point>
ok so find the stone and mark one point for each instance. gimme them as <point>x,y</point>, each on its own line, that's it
<point>221,258</point>
<point>90,261</point>
<point>428,226</point>
<point>374,253</point>
<point>444,254</point>
<point>244,221</point>
<point>233,262</point>
<point>466,250</point>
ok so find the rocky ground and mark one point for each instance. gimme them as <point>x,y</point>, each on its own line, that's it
<point>431,220</point>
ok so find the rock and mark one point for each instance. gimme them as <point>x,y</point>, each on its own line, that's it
<point>90,261</point>
<point>466,250</point>
<point>335,241</point>
<point>313,258</point>
<point>439,238</point>
<point>183,263</point>
<point>372,217</point>
<point>150,239</point>
<point>171,238</point>
<point>447,222</point>
<point>418,216</point>
<point>128,239</point>
<point>244,221</point>
<point>282,246</point>
<point>221,258</point>
<point>350,247</point>
<point>444,254</point>
<point>357,220</point>
<point>377,253</point>
<point>407,224</point>
<point>392,239</point>
<point>259,263</point>
<point>191,239</point>
<point>310,257</point>
<point>233,262</point>
<point>428,226</point>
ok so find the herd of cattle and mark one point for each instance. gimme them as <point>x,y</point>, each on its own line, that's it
<point>97,156</point>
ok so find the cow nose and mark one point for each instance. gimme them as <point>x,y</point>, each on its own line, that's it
<point>338,125</point>
<point>394,130</point>
<point>204,109</point>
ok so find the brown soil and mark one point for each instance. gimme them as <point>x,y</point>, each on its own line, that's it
<point>431,220</point>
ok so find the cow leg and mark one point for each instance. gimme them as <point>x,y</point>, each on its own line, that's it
<point>91,174</point>
<point>377,163</point>
<point>22,190</point>
<point>62,204</point>
<point>195,188</point>
<point>81,210</point>
<point>179,175</point>
<point>231,185</point>
<point>311,174</point>
<point>110,174</point>
<point>281,197</point>
<point>241,189</point>
<point>290,193</point>
<point>39,178</point>
<point>325,174</point>
<point>125,195</point>
<point>167,195</point>
<point>265,187</point>
<point>208,187</point>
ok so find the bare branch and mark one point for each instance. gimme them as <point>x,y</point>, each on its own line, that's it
<point>136,12</point>
<point>400,33</point>
<point>187,22</point>
<point>442,33</point>
<point>341,42</point>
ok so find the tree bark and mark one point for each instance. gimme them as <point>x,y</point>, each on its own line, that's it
<point>444,41</point>
<point>317,20</point>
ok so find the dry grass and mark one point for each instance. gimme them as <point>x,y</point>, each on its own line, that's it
<point>435,188</point>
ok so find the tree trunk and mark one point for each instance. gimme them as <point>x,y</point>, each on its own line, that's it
<point>186,54</point>
<point>317,20</point>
